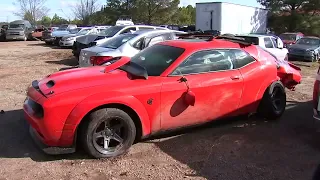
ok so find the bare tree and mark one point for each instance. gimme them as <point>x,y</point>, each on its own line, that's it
<point>84,9</point>
<point>35,9</point>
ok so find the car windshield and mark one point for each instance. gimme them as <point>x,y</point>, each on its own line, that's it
<point>111,31</point>
<point>16,26</point>
<point>309,41</point>
<point>74,31</point>
<point>116,42</point>
<point>64,26</point>
<point>288,37</point>
<point>154,60</point>
<point>83,32</point>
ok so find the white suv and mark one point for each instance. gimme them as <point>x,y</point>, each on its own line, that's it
<point>271,43</point>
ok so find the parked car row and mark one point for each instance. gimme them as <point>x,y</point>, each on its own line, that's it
<point>302,47</point>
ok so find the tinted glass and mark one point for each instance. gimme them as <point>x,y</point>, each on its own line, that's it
<point>207,61</point>
<point>309,41</point>
<point>288,37</point>
<point>83,31</point>
<point>128,30</point>
<point>116,42</point>
<point>268,43</point>
<point>154,60</point>
<point>242,58</point>
<point>16,26</point>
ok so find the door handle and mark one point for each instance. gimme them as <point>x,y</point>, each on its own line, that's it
<point>235,77</point>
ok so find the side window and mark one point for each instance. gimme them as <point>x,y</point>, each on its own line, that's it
<point>268,42</point>
<point>142,28</point>
<point>138,44</point>
<point>274,42</point>
<point>128,30</point>
<point>242,58</point>
<point>206,61</point>
<point>155,40</point>
<point>168,36</point>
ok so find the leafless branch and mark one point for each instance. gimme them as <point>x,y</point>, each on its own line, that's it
<point>84,9</point>
<point>35,8</point>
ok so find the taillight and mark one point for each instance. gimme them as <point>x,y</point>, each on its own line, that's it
<point>99,60</point>
<point>316,94</point>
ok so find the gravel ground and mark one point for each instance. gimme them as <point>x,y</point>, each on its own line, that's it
<point>226,150</point>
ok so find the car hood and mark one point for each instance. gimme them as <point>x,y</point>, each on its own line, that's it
<point>80,78</point>
<point>60,33</point>
<point>303,47</point>
<point>70,35</point>
<point>87,38</point>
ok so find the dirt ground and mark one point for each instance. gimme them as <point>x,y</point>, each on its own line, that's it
<point>237,149</point>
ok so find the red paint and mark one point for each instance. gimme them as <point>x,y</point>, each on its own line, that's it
<point>203,98</point>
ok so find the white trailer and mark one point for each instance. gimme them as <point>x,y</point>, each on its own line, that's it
<point>230,18</point>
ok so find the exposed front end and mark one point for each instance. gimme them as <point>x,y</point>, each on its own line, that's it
<point>46,124</point>
<point>15,35</point>
<point>301,54</point>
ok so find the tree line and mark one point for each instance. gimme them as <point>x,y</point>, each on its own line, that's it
<point>284,15</point>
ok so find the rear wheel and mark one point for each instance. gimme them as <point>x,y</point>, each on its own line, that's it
<point>273,103</point>
<point>108,132</point>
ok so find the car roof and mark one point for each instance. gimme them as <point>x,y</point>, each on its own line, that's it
<point>196,44</point>
<point>151,32</point>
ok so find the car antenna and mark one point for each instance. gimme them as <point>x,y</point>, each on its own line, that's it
<point>183,79</point>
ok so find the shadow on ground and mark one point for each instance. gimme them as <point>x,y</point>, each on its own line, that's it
<point>15,141</point>
<point>255,149</point>
<point>68,62</point>
<point>251,149</point>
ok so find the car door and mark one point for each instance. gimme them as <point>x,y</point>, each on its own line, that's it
<point>216,85</point>
<point>271,46</point>
<point>278,44</point>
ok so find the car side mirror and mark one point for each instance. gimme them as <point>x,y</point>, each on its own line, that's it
<point>190,98</point>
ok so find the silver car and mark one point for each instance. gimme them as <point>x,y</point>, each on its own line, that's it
<point>128,44</point>
<point>69,39</point>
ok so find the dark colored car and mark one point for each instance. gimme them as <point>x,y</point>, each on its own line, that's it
<point>290,38</point>
<point>3,30</point>
<point>306,48</point>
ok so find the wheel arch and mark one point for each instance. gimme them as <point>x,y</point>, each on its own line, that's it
<point>264,86</point>
<point>135,117</point>
<point>129,104</point>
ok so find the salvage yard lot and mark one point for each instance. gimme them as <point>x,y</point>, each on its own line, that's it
<point>238,149</point>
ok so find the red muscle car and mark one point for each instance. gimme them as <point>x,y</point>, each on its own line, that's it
<point>169,85</point>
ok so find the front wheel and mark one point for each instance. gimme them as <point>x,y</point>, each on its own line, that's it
<point>108,132</point>
<point>273,103</point>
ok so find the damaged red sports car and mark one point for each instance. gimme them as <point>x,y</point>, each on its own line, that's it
<point>169,85</point>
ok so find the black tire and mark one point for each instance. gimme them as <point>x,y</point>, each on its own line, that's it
<point>48,43</point>
<point>106,118</point>
<point>273,103</point>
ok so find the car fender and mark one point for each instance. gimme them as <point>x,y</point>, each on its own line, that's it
<point>100,99</point>
<point>266,83</point>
